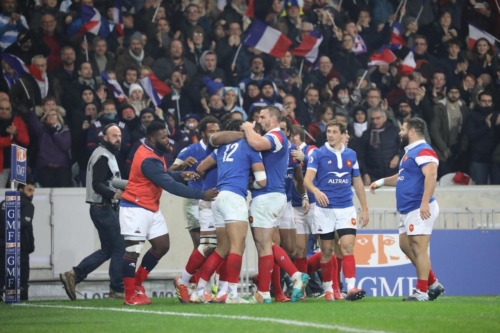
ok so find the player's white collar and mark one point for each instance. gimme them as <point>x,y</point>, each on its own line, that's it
<point>276,129</point>
<point>333,150</point>
<point>414,144</point>
<point>203,145</point>
<point>302,145</point>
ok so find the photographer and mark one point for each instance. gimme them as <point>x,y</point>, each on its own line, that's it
<point>103,200</point>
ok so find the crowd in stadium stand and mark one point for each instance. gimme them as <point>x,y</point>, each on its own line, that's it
<point>446,71</point>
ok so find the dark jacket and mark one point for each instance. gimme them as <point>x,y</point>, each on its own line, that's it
<point>126,61</point>
<point>164,67</point>
<point>27,213</point>
<point>24,100</point>
<point>376,158</point>
<point>482,139</point>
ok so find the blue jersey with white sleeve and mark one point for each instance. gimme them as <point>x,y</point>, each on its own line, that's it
<point>290,172</point>
<point>296,198</point>
<point>210,180</point>
<point>198,151</point>
<point>334,172</point>
<point>275,162</point>
<point>410,184</point>
<point>234,164</point>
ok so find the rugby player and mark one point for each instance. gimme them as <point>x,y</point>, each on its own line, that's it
<point>415,184</point>
<point>140,214</point>
<point>334,168</point>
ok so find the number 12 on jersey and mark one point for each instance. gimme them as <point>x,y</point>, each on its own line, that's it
<point>230,150</point>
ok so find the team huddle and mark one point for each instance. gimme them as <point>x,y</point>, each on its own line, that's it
<point>297,190</point>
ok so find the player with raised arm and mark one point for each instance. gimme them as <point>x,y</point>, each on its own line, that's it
<point>234,162</point>
<point>415,184</point>
<point>140,214</point>
<point>188,159</point>
<point>335,168</point>
<point>268,203</point>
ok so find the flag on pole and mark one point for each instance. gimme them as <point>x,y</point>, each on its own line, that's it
<point>383,57</point>
<point>408,65</point>
<point>91,20</point>
<point>476,33</point>
<point>20,67</point>
<point>309,47</point>
<point>115,86</point>
<point>155,88</point>
<point>397,40</point>
<point>266,39</point>
<point>118,17</point>
<point>221,4</point>
<point>359,45</point>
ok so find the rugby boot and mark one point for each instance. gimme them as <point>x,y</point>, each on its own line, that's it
<point>182,291</point>
<point>300,281</point>
<point>355,294</point>
<point>435,290</point>
<point>417,296</point>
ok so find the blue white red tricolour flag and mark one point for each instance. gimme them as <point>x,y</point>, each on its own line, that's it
<point>115,86</point>
<point>20,67</point>
<point>359,45</point>
<point>383,57</point>
<point>476,33</point>
<point>397,40</point>
<point>309,47</point>
<point>292,3</point>
<point>266,39</point>
<point>155,88</point>
<point>408,65</point>
<point>221,4</point>
<point>118,17</point>
<point>91,20</point>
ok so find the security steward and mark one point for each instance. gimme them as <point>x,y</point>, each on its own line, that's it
<point>104,200</point>
<point>27,238</point>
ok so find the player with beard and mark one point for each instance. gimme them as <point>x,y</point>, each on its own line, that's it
<point>140,214</point>
<point>103,198</point>
<point>415,184</point>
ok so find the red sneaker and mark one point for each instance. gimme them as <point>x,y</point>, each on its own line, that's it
<point>136,299</point>
<point>329,296</point>
<point>141,293</point>
<point>221,299</point>
<point>182,291</point>
<point>281,298</point>
<point>208,297</point>
<point>338,295</point>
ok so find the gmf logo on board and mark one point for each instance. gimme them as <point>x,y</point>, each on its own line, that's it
<point>379,250</point>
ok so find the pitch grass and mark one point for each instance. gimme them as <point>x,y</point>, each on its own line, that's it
<point>448,314</point>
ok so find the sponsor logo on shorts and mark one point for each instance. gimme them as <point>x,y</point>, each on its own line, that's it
<point>379,250</point>
<point>412,227</point>
<point>353,221</point>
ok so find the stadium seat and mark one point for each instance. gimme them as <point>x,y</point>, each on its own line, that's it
<point>448,180</point>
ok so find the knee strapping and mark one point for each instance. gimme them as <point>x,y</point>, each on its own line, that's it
<point>137,248</point>
<point>207,243</point>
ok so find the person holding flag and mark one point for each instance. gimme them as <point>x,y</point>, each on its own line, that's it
<point>89,21</point>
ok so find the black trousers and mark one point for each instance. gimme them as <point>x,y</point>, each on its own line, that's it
<point>55,177</point>
<point>25,271</point>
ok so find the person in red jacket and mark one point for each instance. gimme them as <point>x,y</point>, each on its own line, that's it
<point>140,214</point>
<point>13,130</point>
<point>325,113</point>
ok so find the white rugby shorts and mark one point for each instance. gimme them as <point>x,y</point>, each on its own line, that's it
<point>229,207</point>
<point>286,220</point>
<point>413,224</point>
<point>266,209</point>
<point>191,210</point>
<point>306,224</point>
<point>207,222</point>
<point>139,224</point>
<point>330,219</point>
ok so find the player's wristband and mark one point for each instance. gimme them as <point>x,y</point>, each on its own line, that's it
<point>380,182</point>
<point>256,186</point>
<point>305,197</point>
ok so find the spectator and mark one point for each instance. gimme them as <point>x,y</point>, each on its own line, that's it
<point>252,95</point>
<point>360,123</point>
<point>333,79</point>
<point>347,62</point>
<point>134,58</point>
<point>399,90</point>
<point>231,97</point>
<point>192,19</point>
<point>454,64</point>
<point>67,72</point>
<point>54,40</point>
<point>101,59</point>
<point>179,102</point>
<point>319,77</point>
<point>11,23</point>
<point>53,164</point>
<point>404,113</point>
<point>441,34</point>
<point>131,77</point>
<point>286,76</point>
<point>13,130</point>
<point>73,93</point>
<point>164,67</point>
<point>197,44</point>
<point>482,59</point>
<point>483,132</point>
<point>28,45</point>
<point>209,69</point>
<point>324,114</point>
<point>257,70</point>
<point>146,116</point>
<point>76,25</point>
<point>289,105</point>
<point>129,118</point>
<point>137,99</point>
<point>410,28</point>
<point>446,130</point>
<point>8,78</point>
<point>307,108</point>
<point>380,148</point>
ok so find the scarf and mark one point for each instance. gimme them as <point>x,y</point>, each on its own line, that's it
<point>139,58</point>
<point>359,128</point>
<point>89,83</point>
<point>375,137</point>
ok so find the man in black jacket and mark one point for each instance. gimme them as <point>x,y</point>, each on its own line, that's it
<point>27,238</point>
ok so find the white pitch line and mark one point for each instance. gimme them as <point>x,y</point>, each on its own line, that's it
<point>187,314</point>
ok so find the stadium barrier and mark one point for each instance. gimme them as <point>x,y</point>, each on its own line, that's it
<point>64,235</point>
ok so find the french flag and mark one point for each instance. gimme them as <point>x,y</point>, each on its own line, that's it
<point>309,47</point>
<point>475,34</point>
<point>397,40</point>
<point>118,18</point>
<point>266,39</point>
<point>20,67</point>
<point>221,4</point>
<point>383,57</point>
<point>155,88</point>
<point>359,45</point>
<point>115,86</point>
<point>91,20</point>
<point>408,65</point>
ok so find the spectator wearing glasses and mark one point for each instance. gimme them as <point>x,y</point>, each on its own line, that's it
<point>192,18</point>
<point>482,129</point>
